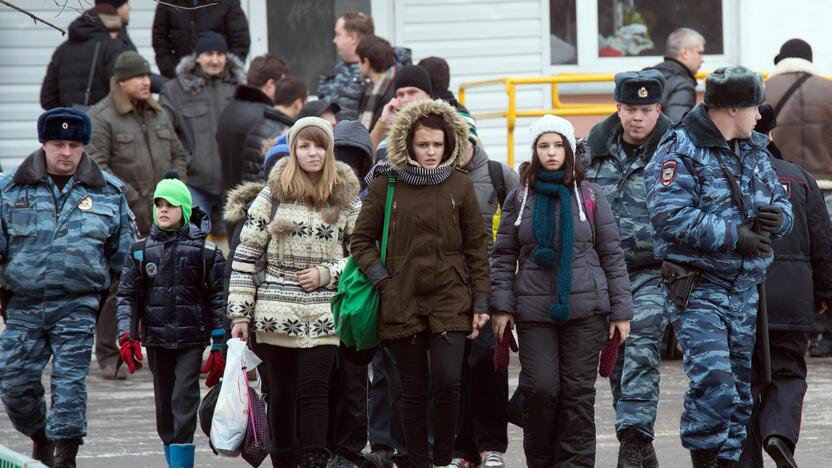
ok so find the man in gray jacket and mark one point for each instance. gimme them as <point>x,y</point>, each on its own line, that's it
<point>204,85</point>
<point>684,55</point>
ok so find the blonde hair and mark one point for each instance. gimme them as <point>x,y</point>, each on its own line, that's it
<point>298,184</point>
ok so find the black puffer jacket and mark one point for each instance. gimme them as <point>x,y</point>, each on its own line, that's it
<point>679,94</point>
<point>274,124</point>
<point>175,31</point>
<point>178,313</point>
<point>243,113</point>
<point>802,268</point>
<point>68,72</point>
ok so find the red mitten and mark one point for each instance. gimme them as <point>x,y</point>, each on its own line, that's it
<point>609,354</point>
<point>131,352</point>
<point>215,367</point>
<point>501,350</point>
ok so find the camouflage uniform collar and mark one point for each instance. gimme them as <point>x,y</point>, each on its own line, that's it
<point>33,171</point>
<point>604,136</point>
<point>704,134</point>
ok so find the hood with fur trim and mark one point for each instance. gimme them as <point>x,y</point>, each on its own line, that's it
<point>239,199</point>
<point>192,80</point>
<point>793,65</point>
<point>397,153</point>
<point>345,192</point>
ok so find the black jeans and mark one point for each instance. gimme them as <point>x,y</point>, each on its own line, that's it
<point>557,380</point>
<point>298,397</point>
<point>348,409</point>
<point>483,424</point>
<point>176,391</point>
<point>438,381</point>
<point>778,407</point>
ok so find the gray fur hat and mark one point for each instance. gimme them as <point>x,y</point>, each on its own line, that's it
<point>734,87</point>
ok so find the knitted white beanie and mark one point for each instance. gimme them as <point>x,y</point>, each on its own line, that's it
<point>552,123</point>
<point>310,122</point>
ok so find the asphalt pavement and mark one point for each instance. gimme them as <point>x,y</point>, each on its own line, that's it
<point>122,424</point>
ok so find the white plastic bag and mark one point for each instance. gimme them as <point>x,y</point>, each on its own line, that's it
<point>228,426</point>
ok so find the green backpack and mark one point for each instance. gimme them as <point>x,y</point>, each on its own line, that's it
<point>355,305</point>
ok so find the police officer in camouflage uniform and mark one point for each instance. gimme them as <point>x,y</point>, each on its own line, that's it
<point>621,146</point>
<point>714,203</point>
<point>66,228</point>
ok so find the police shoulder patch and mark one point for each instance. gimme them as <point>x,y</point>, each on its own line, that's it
<point>668,173</point>
<point>151,269</point>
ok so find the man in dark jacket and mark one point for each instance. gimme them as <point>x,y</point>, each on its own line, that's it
<point>194,100</point>
<point>621,146</point>
<point>378,65</point>
<point>289,96</point>
<point>799,282</point>
<point>80,70</point>
<point>684,55</point>
<point>176,31</point>
<point>245,111</point>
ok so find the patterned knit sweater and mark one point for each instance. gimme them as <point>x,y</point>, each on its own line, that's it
<point>298,237</point>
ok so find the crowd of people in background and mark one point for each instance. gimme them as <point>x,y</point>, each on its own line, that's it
<point>669,212</point>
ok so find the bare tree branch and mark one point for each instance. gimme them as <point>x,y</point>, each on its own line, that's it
<point>34,17</point>
<point>179,7</point>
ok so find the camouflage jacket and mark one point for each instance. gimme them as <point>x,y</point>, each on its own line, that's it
<point>58,243</point>
<point>694,216</point>
<point>622,181</point>
<point>345,84</point>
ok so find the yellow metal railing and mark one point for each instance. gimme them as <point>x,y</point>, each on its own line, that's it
<point>566,109</point>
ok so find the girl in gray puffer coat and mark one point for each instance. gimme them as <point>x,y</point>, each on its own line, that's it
<point>558,271</point>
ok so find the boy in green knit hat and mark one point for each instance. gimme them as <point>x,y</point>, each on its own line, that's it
<point>171,298</point>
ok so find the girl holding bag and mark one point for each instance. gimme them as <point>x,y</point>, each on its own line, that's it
<point>304,243</point>
<point>558,272</point>
<point>435,283</point>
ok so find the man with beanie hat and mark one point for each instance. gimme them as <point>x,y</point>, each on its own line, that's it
<point>66,230</point>
<point>715,203</point>
<point>134,139</point>
<point>178,31</point>
<point>80,70</point>
<point>203,87</point>
<point>621,146</point>
<point>179,313</point>
<point>802,100</point>
<point>412,83</point>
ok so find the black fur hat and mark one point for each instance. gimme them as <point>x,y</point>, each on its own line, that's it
<point>64,123</point>
<point>734,87</point>
<point>642,87</point>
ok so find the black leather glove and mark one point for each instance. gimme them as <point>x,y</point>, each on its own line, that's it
<point>770,218</point>
<point>751,244</point>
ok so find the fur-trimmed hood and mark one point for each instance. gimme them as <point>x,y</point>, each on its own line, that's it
<point>193,81</point>
<point>345,193</point>
<point>397,153</point>
<point>793,65</point>
<point>239,199</point>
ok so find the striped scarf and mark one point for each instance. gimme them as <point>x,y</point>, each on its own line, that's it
<point>411,175</point>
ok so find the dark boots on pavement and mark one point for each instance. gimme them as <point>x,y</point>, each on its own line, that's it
<point>315,458</point>
<point>65,452</point>
<point>636,450</point>
<point>780,451</point>
<point>42,448</point>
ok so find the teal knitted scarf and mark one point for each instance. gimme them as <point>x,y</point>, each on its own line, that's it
<point>549,186</point>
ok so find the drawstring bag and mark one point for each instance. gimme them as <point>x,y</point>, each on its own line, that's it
<point>256,441</point>
<point>355,305</point>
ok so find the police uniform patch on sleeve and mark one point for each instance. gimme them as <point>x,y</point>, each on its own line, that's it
<point>151,269</point>
<point>668,173</point>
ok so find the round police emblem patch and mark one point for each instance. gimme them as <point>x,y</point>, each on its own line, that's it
<point>642,92</point>
<point>668,173</point>
<point>151,269</point>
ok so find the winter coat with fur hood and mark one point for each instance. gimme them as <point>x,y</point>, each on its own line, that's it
<point>297,238</point>
<point>804,125</point>
<point>194,101</point>
<point>436,274</point>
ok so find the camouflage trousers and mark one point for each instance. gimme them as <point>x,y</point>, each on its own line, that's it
<point>635,378</point>
<point>35,332</point>
<point>716,332</point>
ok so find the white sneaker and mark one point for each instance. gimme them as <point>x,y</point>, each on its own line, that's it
<point>492,460</point>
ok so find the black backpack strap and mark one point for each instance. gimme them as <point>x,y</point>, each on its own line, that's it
<point>139,256</point>
<point>789,93</point>
<point>208,250</point>
<point>495,172</point>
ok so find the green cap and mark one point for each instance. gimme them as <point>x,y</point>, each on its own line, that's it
<point>177,194</point>
<point>130,65</point>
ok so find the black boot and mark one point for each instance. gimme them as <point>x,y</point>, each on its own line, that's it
<point>704,459</point>
<point>42,448</point>
<point>65,452</point>
<point>629,450</point>
<point>648,456</point>
<point>314,458</point>
<point>780,451</point>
